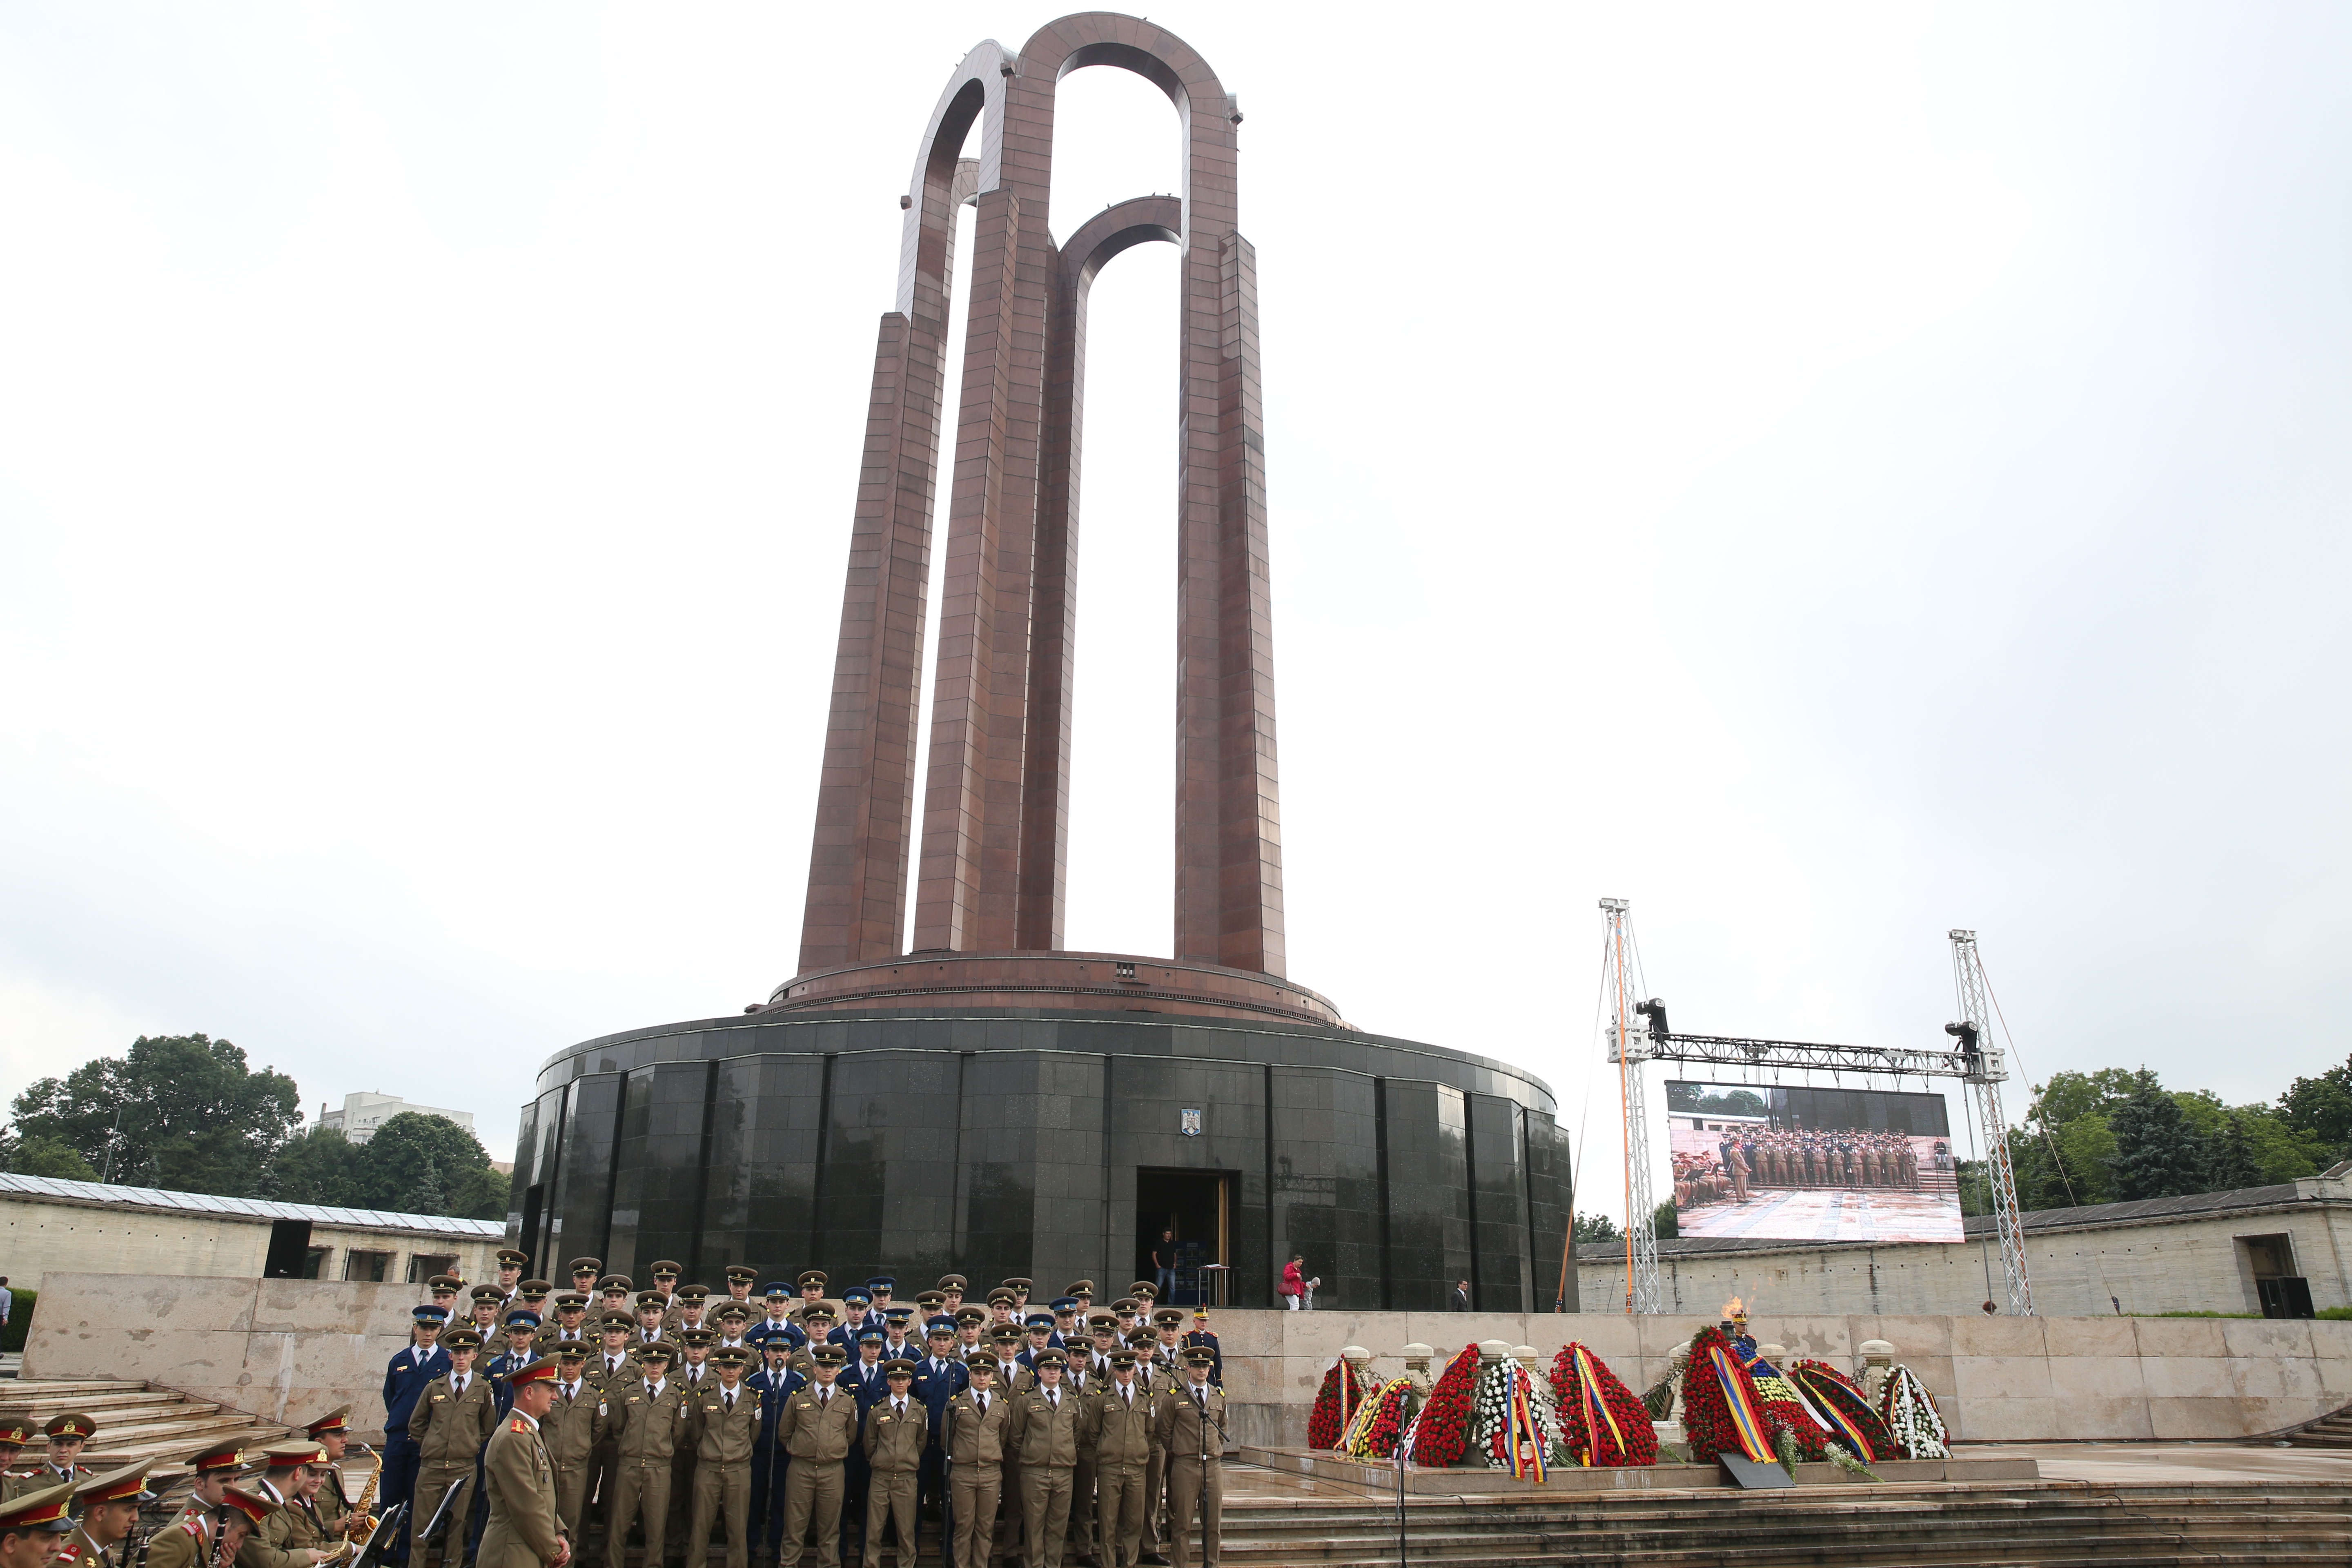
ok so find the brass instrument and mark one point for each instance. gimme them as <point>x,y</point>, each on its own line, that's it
<point>361,1522</point>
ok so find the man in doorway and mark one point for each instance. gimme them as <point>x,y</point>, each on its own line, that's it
<point>1460,1302</point>
<point>1164,1265</point>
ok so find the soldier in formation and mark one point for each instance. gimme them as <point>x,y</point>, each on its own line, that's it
<point>1071,1433</point>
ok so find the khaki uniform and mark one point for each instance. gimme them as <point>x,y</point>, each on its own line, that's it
<point>681,1463</point>
<point>333,1504</point>
<point>816,1432</point>
<point>1116,1432</point>
<point>1078,1379</point>
<point>1192,1482</point>
<point>450,1429</point>
<point>524,1530</point>
<point>974,1441</point>
<point>1044,1434</point>
<point>265,1545</point>
<point>1155,1377</point>
<point>646,1428</point>
<point>596,1490</point>
<point>723,1440</point>
<point>79,1551</point>
<point>185,1542</point>
<point>571,1431</point>
<point>894,1453</point>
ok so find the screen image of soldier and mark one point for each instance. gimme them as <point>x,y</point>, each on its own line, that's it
<point>1192,1425</point>
<point>524,1529</point>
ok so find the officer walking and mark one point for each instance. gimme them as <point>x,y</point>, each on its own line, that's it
<point>525,1529</point>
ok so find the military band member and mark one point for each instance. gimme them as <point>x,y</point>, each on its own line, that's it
<point>973,1435</point>
<point>510,1266</point>
<point>572,1428</point>
<point>725,1425</point>
<point>896,1433</point>
<point>1191,1424</point>
<point>647,1421</point>
<point>450,1423</point>
<point>16,1431</point>
<point>268,1545</point>
<point>61,1463</point>
<point>776,1381</point>
<point>33,1527</point>
<point>1043,1431</point>
<point>186,1542</point>
<point>525,1528</point>
<point>298,1526</point>
<point>105,1510</point>
<point>1118,1426</point>
<point>332,1432</point>
<point>819,1428</point>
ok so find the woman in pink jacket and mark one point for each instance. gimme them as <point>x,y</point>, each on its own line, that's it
<point>1294,1281</point>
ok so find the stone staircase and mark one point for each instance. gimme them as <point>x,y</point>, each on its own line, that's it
<point>2050,1524</point>
<point>135,1420</point>
<point>2329,1432</point>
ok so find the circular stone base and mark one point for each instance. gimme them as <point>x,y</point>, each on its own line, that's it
<point>1104,982</point>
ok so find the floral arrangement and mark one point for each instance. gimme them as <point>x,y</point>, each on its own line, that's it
<point>1505,1431</point>
<point>1843,1408</point>
<point>1707,1419</point>
<point>1335,1404</point>
<point>1544,1410</point>
<point>1378,1422</point>
<point>1602,1425</point>
<point>1796,1435</point>
<point>1438,1435</point>
<point>1913,1423</point>
<point>1735,1403</point>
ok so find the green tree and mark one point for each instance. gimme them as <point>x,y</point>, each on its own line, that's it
<point>1596,1228</point>
<point>482,1196</point>
<point>2158,1153</point>
<point>1664,1222</point>
<point>2322,1107</point>
<point>2087,1147</point>
<point>46,1156</point>
<point>414,1159</point>
<point>322,1166</point>
<point>181,1111</point>
<point>2069,1095</point>
<point>2231,1157</point>
<point>2282,1151</point>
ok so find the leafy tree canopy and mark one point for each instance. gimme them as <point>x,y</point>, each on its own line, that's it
<point>2159,1154</point>
<point>2322,1108</point>
<point>181,1111</point>
<point>1596,1228</point>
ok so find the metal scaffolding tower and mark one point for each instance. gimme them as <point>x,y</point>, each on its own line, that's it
<point>1638,1033</point>
<point>1975,1033</point>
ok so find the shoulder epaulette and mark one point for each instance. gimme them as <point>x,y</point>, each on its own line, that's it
<point>519,1424</point>
<point>192,1528</point>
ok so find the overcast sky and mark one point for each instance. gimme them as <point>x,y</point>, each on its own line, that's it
<point>1824,474</point>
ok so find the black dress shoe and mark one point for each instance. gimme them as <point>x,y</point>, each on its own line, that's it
<point>1153,1558</point>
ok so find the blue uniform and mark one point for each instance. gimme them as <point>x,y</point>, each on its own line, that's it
<point>406,1379</point>
<point>869,1392</point>
<point>767,1329</point>
<point>770,1463</point>
<point>934,1384</point>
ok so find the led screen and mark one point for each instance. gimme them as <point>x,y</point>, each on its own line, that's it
<point>1763,1161</point>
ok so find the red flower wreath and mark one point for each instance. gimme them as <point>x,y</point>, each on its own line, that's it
<point>1444,1429</point>
<point>1706,1416</point>
<point>1640,1439</point>
<point>1325,1427</point>
<point>1379,1438</point>
<point>1826,1385</point>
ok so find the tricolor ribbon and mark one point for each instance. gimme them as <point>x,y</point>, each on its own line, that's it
<point>1825,1406</point>
<point>1525,1452</point>
<point>1740,1399</point>
<point>1597,1413</point>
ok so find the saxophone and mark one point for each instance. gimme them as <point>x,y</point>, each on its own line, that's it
<point>361,1522</point>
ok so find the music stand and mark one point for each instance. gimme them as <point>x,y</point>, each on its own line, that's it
<point>378,1546</point>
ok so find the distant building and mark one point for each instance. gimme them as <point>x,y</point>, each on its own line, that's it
<point>363,1114</point>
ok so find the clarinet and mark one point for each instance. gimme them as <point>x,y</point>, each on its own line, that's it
<point>220,1557</point>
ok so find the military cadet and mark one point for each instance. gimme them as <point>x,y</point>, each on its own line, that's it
<point>733,1319</point>
<point>896,1430</point>
<point>1154,1377</point>
<point>974,1438</point>
<point>1199,1336</point>
<point>877,1311</point>
<point>1123,1313</point>
<point>812,1283</point>
<point>1191,1421</point>
<point>776,1381</point>
<point>723,1421</point>
<point>666,1277</point>
<point>1044,1430</point>
<point>1145,1291</point>
<point>614,1292</point>
<point>740,1281</point>
<point>930,1304</point>
<point>1019,1288</point>
<point>864,1379</point>
<point>187,1541</point>
<point>819,1428</point>
<point>937,1376</point>
<point>61,1466</point>
<point>1082,1292</point>
<point>897,1324</point>
<point>693,1308</point>
<point>16,1431</point>
<point>572,1429</point>
<point>969,1322</point>
<point>1119,1420</point>
<point>526,1529</point>
<point>450,1423</point>
<point>1000,1306</point>
<point>693,1375</point>
<point>854,1302</point>
<point>1013,1379</point>
<point>653,1319</point>
<point>778,1323</point>
<point>569,1326</point>
<point>533,1294</point>
<point>1067,1330</point>
<point>105,1510</point>
<point>510,1266</point>
<point>442,1291</point>
<point>1104,1332</point>
<point>521,1348</point>
<point>484,1306</point>
<point>405,1382</point>
<point>585,1271</point>
<point>952,1289</point>
<point>647,1421</point>
<point>1041,1338</point>
<point>1079,1384</point>
<point>33,1527</point>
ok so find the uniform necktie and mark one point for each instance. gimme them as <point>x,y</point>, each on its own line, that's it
<point>730,1399</point>
<point>1127,1395</point>
<point>824,1395</point>
<point>899,1407</point>
<point>461,1386</point>
<point>1200,1398</point>
<point>1053,1398</point>
<point>984,1404</point>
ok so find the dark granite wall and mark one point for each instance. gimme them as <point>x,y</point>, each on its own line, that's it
<point>1001,1145</point>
